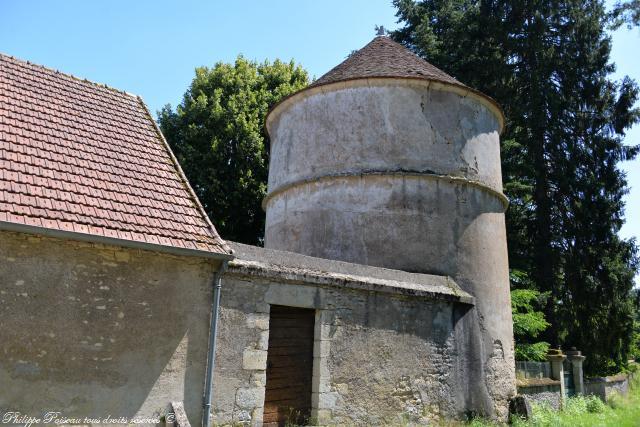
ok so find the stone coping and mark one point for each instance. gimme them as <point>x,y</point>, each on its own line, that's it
<point>536,382</point>
<point>610,379</point>
<point>294,268</point>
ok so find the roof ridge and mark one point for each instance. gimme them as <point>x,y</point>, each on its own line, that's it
<point>185,181</point>
<point>66,74</point>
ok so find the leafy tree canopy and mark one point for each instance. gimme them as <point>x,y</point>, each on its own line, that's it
<point>528,321</point>
<point>218,136</point>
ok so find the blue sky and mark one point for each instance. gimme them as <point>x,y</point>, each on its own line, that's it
<point>150,48</point>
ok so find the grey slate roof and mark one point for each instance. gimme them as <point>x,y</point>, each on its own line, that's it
<point>293,267</point>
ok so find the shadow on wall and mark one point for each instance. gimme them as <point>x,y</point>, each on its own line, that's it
<point>96,331</point>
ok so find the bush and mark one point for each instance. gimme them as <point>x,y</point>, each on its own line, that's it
<point>576,405</point>
<point>579,405</point>
<point>616,401</point>
<point>543,416</point>
<point>595,405</point>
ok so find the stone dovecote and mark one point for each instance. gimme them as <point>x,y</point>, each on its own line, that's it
<point>388,161</point>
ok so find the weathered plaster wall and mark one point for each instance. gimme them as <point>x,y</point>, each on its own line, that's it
<point>94,330</point>
<point>380,357</point>
<point>384,125</point>
<point>402,175</point>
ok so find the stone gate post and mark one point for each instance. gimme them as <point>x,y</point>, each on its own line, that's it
<point>576,358</point>
<point>556,358</point>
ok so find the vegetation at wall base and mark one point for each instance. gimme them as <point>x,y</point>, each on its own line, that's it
<point>582,411</point>
<point>548,65</point>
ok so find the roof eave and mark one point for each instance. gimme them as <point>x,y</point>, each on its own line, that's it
<point>113,241</point>
<point>183,177</point>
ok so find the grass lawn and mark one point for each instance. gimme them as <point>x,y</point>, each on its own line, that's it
<point>584,412</point>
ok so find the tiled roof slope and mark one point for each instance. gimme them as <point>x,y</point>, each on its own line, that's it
<point>76,156</point>
<point>383,57</point>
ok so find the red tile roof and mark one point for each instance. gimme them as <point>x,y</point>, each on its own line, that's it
<point>80,157</point>
<point>383,57</point>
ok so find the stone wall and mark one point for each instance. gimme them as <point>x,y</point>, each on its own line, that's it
<point>95,330</point>
<point>605,387</point>
<point>530,369</point>
<point>381,357</point>
<point>542,391</point>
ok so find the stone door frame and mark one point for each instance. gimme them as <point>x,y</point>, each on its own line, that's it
<point>322,399</point>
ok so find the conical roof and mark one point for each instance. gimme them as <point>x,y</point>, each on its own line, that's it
<point>383,57</point>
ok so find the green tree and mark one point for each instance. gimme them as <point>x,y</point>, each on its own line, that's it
<point>219,138</point>
<point>626,12</point>
<point>635,341</point>
<point>548,64</point>
<point>528,321</point>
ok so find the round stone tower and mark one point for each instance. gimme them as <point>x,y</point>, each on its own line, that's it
<point>388,161</point>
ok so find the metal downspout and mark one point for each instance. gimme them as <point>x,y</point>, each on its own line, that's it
<point>211,356</point>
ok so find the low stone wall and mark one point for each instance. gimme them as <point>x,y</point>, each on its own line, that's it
<point>384,353</point>
<point>605,387</point>
<point>541,391</point>
<point>528,369</point>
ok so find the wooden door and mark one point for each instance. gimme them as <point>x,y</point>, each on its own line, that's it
<point>289,366</point>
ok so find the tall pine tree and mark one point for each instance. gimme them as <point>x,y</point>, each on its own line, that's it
<point>547,63</point>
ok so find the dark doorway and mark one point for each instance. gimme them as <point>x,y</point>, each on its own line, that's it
<point>289,366</point>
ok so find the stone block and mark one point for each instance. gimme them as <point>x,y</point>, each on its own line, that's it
<point>324,331</point>
<point>295,296</point>
<point>259,378</point>
<point>241,417</point>
<point>520,406</point>
<point>320,385</point>
<point>256,417</point>
<point>258,321</point>
<point>320,368</point>
<point>254,359</point>
<point>262,307</point>
<point>324,400</point>
<point>250,398</point>
<point>321,348</point>
<point>263,341</point>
